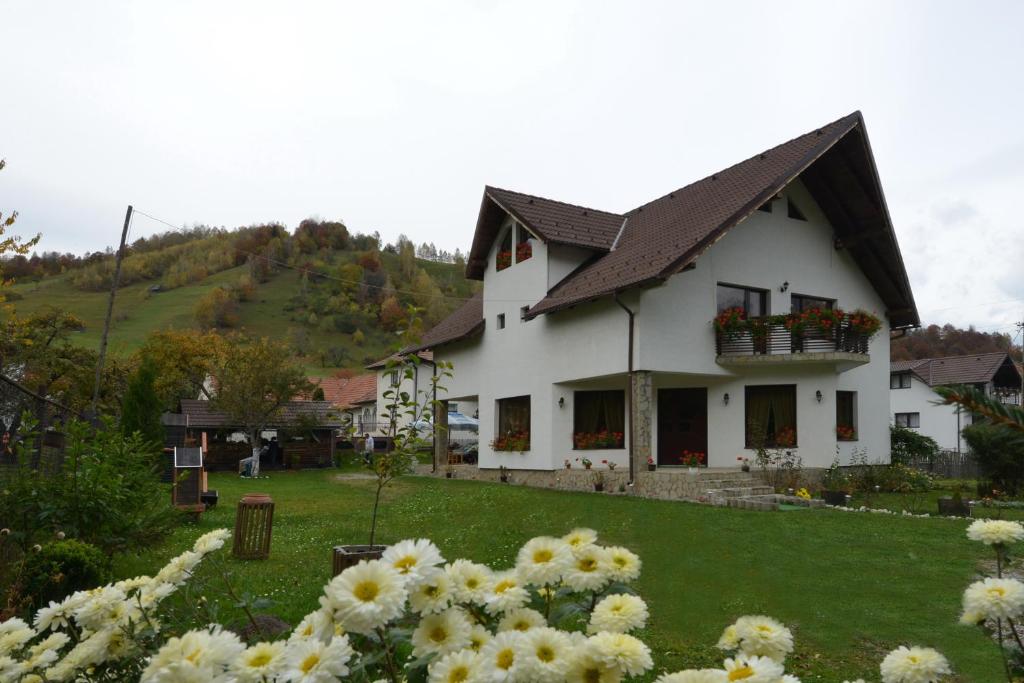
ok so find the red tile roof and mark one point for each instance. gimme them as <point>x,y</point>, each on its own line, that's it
<point>358,389</point>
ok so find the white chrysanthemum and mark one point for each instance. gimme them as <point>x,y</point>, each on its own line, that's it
<point>194,655</point>
<point>260,662</point>
<point>413,559</point>
<point>543,560</point>
<point>318,624</point>
<point>993,599</point>
<point>619,613</point>
<point>753,669</point>
<point>624,564</point>
<point>544,655</point>
<point>471,582</point>
<point>434,593</point>
<point>764,637</point>
<point>54,615</point>
<point>366,596</point>
<point>695,676</point>
<point>578,538</point>
<point>209,542</point>
<point>101,608</point>
<point>133,584</point>
<point>14,633</point>
<point>789,678</point>
<point>622,650</point>
<point>589,569</point>
<point>152,594</point>
<point>457,667</point>
<point>506,593</point>
<point>478,637</point>
<point>310,661</point>
<point>587,666</point>
<point>995,531</point>
<point>498,657</point>
<point>728,640</point>
<point>179,568</point>
<point>913,665</point>
<point>441,633</point>
<point>41,655</point>
<point>522,619</point>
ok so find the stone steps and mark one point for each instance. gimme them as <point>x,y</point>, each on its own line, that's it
<point>768,502</point>
<point>722,497</point>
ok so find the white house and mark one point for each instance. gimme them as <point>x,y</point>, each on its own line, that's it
<point>593,324</point>
<point>913,401</point>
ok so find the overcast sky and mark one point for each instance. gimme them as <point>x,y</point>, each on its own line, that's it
<point>393,116</point>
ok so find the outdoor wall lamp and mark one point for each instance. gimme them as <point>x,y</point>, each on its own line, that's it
<point>784,287</point>
<point>817,395</point>
<point>725,398</point>
<point>561,401</point>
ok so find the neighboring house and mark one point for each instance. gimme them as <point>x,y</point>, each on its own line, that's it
<point>417,386</point>
<point>913,401</point>
<point>356,399</point>
<point>592,322</point>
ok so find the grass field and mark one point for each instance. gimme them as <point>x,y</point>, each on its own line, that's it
<point>850,585</point>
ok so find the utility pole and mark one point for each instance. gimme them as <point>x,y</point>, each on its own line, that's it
<point>94,413</point>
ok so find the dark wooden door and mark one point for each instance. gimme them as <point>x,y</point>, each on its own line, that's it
<point>682,424</point>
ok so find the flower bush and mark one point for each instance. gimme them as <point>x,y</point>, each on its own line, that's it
<point>512,441</point>
<point>503,260</point>
<point>564,612</point>
<point>601,439</point>
<point>693,458</point>
<point>734,322</point>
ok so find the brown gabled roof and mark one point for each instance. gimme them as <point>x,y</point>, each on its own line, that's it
<point>551,221</point>
<point>201,414</point>
<point>971,369</point>
<point>666,235</point>
<point>426,356</point>
<point>466,321</point>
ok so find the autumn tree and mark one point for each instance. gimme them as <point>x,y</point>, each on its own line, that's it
<point>12,244</point>
<point>254,378</point>
<point>391,314</point>
<point>183,362</point>
<point>218,308</point>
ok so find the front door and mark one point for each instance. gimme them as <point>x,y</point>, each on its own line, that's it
<point>682,424</point>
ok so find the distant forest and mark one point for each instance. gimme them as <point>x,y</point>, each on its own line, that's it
<point>948,340</point>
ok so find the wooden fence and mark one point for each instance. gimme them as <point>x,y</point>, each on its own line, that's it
<point>948,464</point>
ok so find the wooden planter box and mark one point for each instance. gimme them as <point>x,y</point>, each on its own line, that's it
<point>346,556</point>
<point>834,497</point>
<point>949,507</point>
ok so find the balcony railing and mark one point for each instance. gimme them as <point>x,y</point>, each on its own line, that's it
<point>778,340</point>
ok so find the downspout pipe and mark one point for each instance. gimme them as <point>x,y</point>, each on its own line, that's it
<point>629,365</point>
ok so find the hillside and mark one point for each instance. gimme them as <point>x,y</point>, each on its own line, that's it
<point>352,314</point>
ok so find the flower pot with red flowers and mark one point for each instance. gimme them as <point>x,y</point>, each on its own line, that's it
<point>846,433</point>
<point>512,441</point>
<point>503,260</point>
<point>744,463</point>
<point>731,323</point>
<point>651,465</point>
<point>524,250</point>
<point>693,460</point>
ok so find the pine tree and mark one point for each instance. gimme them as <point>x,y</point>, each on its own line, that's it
<point>141,409</point>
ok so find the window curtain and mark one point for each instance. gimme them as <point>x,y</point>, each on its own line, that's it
<point>770,409</point>
<point>514,414</point>
<point>595,411</point>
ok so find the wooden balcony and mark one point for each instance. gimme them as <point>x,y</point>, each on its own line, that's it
<point>841,346</point>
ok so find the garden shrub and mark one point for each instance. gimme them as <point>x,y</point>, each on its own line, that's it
<point>909,446</point>
<point>61,568</point>
<point>1000,454</point>
<point>107,491</point>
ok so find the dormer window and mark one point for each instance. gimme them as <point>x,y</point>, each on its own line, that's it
<point>504,257</point>
<point>524,247</point>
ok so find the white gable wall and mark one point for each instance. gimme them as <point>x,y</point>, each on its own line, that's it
<point>941,422</point>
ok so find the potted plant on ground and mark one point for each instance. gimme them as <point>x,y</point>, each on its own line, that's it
<point>449,471</point>
<point>503,473</point>
<point>744,463</point>
<point>611,464</point>
<point>954,506</point>
<point>587,462</point>
<point>568,465</point>
<point>598,479</point>
<point>651,465</point>
<point>835,484</point>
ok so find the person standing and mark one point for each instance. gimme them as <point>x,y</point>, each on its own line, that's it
<point>367,448</point>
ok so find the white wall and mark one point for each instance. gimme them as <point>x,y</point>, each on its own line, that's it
<point>547,358</point>
<point>417,386</point>
<point>937,421</point>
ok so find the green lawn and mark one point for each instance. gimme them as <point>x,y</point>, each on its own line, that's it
<point>850,585</point>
